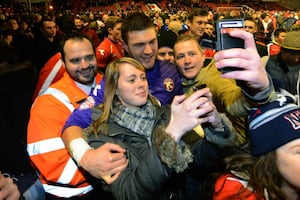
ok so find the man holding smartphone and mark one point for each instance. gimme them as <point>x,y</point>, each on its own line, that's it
<point>229,98</point>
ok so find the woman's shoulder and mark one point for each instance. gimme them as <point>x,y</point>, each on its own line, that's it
<point>229,179</point>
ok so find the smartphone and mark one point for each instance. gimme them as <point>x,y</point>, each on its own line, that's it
<point>225,41</point>
<point>199,87</point>
<point>223,28</point>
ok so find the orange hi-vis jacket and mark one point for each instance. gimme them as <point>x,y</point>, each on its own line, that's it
<point>58,171</point>
<point>52,71</point>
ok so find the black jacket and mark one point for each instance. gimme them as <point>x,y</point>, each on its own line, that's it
<point>147,176</point>
<point>281,76</point>
<point>17,82</point>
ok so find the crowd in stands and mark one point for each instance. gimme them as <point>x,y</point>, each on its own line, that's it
<point>123,100</point>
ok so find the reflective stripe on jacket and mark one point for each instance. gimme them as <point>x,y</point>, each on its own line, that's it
<point>58,172</point>
<point>52,72</point>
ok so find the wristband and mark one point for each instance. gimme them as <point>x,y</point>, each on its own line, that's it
<point>78,147</point>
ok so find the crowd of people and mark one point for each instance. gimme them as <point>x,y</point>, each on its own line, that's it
<point>128,104</point>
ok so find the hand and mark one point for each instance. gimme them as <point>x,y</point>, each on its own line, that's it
<point>106,162</point>
<point>8,190</point>
<point>252,71</point>
<point>213,117</point>
<point>186,113</point>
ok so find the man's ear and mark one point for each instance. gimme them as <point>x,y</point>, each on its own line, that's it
<point>125,47</point>
<point>255,29</point>
<point>188,23</point>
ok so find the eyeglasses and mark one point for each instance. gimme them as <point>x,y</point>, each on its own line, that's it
<point>250,27</point>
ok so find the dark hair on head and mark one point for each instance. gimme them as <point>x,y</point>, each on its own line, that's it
<point>8,54</point>
<point>17,18</point>
<point>278,31</point>
<point>167,17</point>
<point>197,12</point>
<point>65,23</point>
<point>73,35</point>
<point>264,15</point>
<point>26,19</point>
<point>46,18</point>
<point>211,22</point>
<point>135,21</point>
<point>261,173</point>
<point>251,19</point>
<point>112,21</point>
<point>265,174</point>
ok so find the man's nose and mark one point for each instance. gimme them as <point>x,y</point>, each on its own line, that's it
<point>84,63</point>
<point>148,49</point>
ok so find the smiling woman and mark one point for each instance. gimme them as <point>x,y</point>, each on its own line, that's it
<point>151,134</point>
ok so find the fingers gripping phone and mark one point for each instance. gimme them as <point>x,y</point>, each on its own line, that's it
<point>225,41</point>
<point>223,28</point>
<point>199,87</point>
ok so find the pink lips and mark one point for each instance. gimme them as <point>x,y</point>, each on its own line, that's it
<point>188,68</point>
<point>142,94</point>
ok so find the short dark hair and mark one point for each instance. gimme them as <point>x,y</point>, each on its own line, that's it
<point>197,12</point>
<point>211,22</point>
<point>251,19</point>
<point>278,31</point>
<point>73,35</point>
<point>135,21</point>
<point>112,21</point>
<point>45,18</point>
<point>264,15</point>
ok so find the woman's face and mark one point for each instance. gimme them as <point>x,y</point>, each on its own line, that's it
<point>13,24</point>
<point>132,86</point>
<point>288,162</point>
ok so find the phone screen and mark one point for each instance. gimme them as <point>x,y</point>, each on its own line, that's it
<point>223,29</point>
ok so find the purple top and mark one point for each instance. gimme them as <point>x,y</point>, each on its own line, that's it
<point>164,83</point>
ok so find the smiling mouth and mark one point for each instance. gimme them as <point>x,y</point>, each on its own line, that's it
<point>86,72</point>
<point>141,93</point>
<point>147,58</point>
<point>188,68</point>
